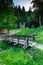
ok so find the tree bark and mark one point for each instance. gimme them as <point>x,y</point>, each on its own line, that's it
<point>39,20</point>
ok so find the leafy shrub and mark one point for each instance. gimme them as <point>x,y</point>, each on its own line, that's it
<point>3,45</point>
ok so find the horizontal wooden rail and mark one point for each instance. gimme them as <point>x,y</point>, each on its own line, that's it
<point>24,36</point>
<point>16,35</point>
<point>16,38</point>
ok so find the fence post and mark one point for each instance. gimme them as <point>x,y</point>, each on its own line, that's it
<point>6,38</point>
<point>18,39</point>
<point>27,40</point>
<point>33,38</point>
<point>12,38</point>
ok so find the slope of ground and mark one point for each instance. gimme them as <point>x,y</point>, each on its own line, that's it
<point>36,54</point>
<point>19,56</point>
<point>16,56</point>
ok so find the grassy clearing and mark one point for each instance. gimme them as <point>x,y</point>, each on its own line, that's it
<point>16,56</point>
<point>37,31</point>
<point>27,31</point>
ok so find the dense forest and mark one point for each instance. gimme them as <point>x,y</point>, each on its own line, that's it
<point>11,16</point>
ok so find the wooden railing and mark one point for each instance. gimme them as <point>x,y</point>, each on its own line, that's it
<point>18,37</point>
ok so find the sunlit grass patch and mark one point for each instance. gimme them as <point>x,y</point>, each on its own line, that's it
<point>16,56</point>
<point>27,31</point>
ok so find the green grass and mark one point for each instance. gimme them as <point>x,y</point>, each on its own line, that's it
<point>19,56</point>
<point>37,31</point>
<point>27,31</point>
<point>3,45</point>
<point>16,56</point>
<point>38,57</point>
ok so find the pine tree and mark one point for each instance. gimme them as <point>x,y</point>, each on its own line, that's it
<point>38,5</point>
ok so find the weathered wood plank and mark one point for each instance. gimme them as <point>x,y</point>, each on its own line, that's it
<point>16,39</point>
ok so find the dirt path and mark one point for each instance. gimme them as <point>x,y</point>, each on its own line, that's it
<point>14,31</point>
<point>37,45</point>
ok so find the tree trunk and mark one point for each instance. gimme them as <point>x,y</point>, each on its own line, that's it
<point>39,20</point>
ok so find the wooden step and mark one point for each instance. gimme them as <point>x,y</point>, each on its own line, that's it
<point>25,46</point>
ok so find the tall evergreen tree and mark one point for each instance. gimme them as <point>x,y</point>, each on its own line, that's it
<point>23,11</point>
<point>4,4</point>
<point>38,5</point>
<point>24,17</point>
<point>19,10</point>
<point>29,11</point>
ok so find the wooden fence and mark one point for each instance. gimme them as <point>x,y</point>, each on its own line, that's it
<point>19,39</point>
<point>22,37</point>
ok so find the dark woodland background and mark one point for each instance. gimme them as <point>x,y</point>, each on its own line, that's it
<point>11,16</point>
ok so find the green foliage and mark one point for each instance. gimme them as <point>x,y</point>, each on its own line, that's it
<point>7,17</point>
<point>29,21</point>
<point>38,57</point>
<point>11,21</point>
<point>16,56</point>
<point>39,33</point>
<point>8,21</point>
<point>3,45</point>
<point>34,15</point>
